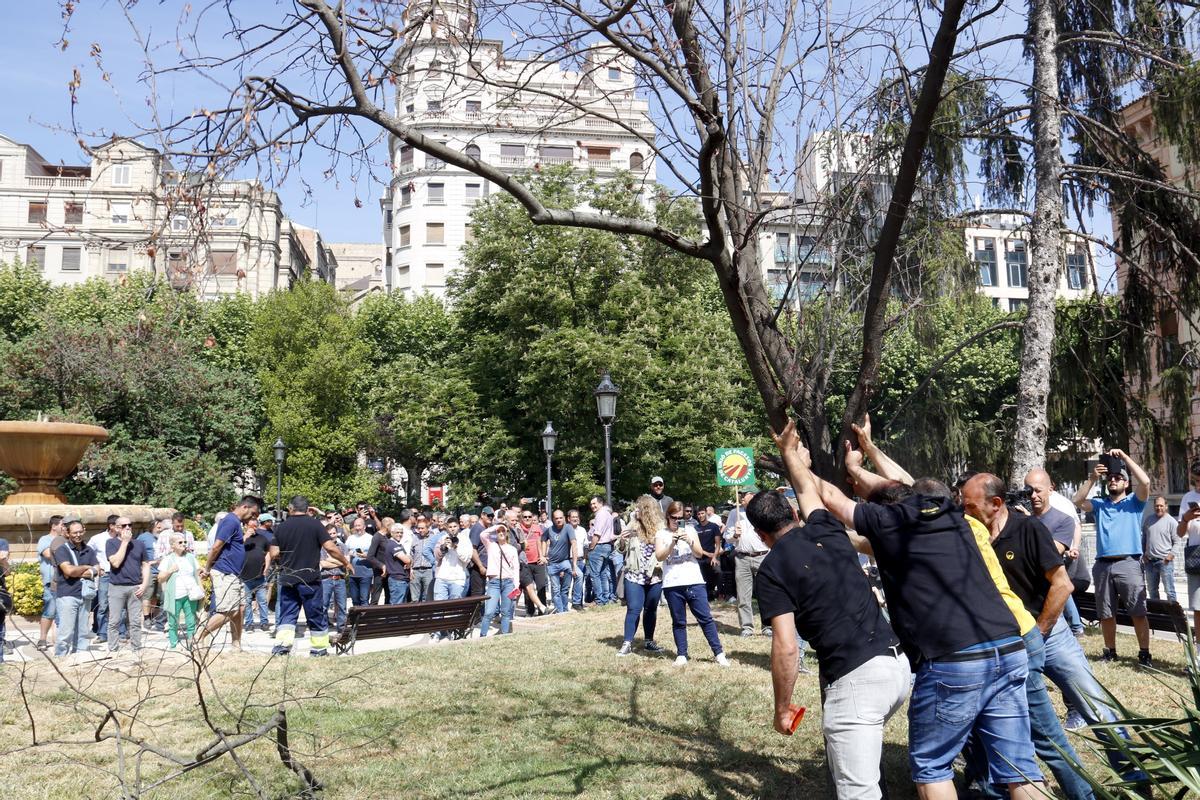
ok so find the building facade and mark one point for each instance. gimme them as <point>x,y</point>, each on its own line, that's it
<point>459,89</point>
<point>129,209</point>
<point>1174,343</point>
<point>999,246</point>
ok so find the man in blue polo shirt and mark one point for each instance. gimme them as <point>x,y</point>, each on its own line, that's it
<point>1117,573</point>
<point>226,557</point>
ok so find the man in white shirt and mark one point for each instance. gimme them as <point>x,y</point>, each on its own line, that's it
<point>748,554</point>
<point>1189,526</point>
<point>579,554</point>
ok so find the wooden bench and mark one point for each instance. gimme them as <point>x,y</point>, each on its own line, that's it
<point>458,617</point>
<point>1163,615</point>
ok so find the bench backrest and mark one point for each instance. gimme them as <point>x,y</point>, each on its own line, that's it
<point>1162,615</point>
<point>373,622</point>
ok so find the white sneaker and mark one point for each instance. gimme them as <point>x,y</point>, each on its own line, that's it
<point>626,649</point>
<point>681,661</point>
<point>722,660</point>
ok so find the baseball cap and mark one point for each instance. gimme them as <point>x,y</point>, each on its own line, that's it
<point>266,517</point>
<point>487,511</point>
<point>657,479</point>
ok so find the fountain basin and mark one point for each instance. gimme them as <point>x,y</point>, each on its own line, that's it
<point>38,455</point>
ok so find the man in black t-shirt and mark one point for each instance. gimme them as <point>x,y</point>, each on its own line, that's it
<point>1035,572</point>
<point>955,628</point>
<point>711,543</point>
<point>299,543</point>
<point>810,585</point>
<point>257,541</point>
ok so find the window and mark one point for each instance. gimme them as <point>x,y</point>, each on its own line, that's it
<point>72,213</point>
<point>614,74</point>
<point>433,106</point>
<point>468,233</point>
<point>227,221</point>
<point>406,156</point>
<point>985,259</point>
<point>474,106</point>
<point>37,213</point>
<point>177,271</point>
<point>472,151</point>
<point>410,108</point>
<point>1018,264</point>
<point>36,257</point>
<point>403,279</point>
<point>435,274</point>
<point>472,193</point>
<point>435,233</point>
<point>121,175</point>
<point>783,247</point>
<point>599,155</point>
<point>777,283</point>
<point>405,235</point>
<point>1016,304</point>
<point>222,262</point>
<point>387,218</point>
<point>121,211</point>
<point>512,155</point>
<point>433,162</point>
<point>118,261</point>
<point>405,196</point>
<point>72,258</point>
<point>1177,468</point>
<point>1076,270</point>
<point>635,160</point>
<point>437,193</point>
<point>555,154</point>
<point>179,223</point>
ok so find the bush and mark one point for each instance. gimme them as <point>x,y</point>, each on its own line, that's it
<point>199,532</point>
<point>26,591</point>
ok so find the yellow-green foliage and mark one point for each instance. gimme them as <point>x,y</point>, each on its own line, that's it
<point>26,591</point>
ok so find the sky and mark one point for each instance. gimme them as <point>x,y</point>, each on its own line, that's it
<point>37,70</point>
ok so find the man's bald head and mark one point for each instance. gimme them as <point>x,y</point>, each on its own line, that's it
<point>1039,481</point>
<point>983,497</point>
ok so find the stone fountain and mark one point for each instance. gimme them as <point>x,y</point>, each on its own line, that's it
<point>38,455</point>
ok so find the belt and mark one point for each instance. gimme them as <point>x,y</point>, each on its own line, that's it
<point>422,567</point>
<point>333,577</point>
<point>977,655</point>
<point>1114,559</point>
<point>752,555</point>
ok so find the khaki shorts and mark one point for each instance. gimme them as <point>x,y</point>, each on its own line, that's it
<point>229,592</point>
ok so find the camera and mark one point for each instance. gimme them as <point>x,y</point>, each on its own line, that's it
<point>1022,498</point>
<point>453,540</point>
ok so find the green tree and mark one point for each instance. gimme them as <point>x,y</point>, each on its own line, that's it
<point>315,382</point>
<point>548,309</point>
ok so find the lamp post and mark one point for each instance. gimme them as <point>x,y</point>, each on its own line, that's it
<point>606,407</point>
<point>549,435</point>
<point>280,451</point>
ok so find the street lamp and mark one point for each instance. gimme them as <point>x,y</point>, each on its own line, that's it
<point>280,451</point>
<point>606,407</point>
<point>549,435</point>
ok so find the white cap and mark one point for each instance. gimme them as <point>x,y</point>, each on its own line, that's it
<point>657,479</point>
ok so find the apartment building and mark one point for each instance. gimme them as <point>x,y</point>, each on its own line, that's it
<point>129,209</point>
<point>461,90</point>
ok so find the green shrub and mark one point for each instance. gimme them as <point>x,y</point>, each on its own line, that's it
<point>199,532</point>
<point>26,591</point>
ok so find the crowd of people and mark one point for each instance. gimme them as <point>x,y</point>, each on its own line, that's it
<point>953,598</point>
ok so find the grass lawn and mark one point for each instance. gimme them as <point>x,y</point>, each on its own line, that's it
<point>549,712</point>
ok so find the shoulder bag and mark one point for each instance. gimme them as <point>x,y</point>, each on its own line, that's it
<point>1191,559</point>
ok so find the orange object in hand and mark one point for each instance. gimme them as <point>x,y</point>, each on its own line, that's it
<point>797,715</point>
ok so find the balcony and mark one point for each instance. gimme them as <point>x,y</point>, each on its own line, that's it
<point>600,163</point>
<point>600,124</point>
<point>512,161</point>
<point>550,161</point>
<point>473,116</point>
<point>55,182</point>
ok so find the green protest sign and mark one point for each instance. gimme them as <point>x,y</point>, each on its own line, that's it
<point>735,466</point>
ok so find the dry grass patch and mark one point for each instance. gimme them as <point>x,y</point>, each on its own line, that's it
<point>549,712</point>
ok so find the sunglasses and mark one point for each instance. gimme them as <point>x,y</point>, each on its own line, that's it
<point>677,518</point>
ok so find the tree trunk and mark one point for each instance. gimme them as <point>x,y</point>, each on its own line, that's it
<point>1033,382</point>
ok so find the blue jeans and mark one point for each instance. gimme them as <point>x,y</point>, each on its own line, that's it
<point>560,580</point>
<point>48,607</point>
<point>617,563</point>
<point>1071,615</point>
<point>359,590</point>
<point>601,572</point>
<point>498,592</point>
<point>334,591</point>
<point>447,590</point>
<point>695,597</point>
<point>641,601</point>
<point>1048,735</point>
<point>950,699</point>
<point>256,595</point>
<point>72,626</point>
<point>1163,571</point>
<point>100,604</point>
<point>397,589</point>
<point>579,582</point>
